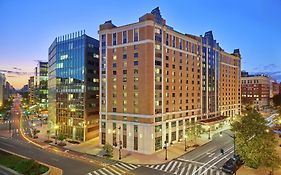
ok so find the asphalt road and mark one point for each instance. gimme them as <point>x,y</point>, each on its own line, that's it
<point>70,164</point>
<point>204,160</point>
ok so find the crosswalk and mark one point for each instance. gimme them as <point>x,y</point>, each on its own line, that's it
<point>184,168</point>
<point>115,169</point>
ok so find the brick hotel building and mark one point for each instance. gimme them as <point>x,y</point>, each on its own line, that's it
<point>155,81</point>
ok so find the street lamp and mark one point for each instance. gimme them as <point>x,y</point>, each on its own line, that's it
<point>56,132</point>
<point>166,150</point>
<point>209,136</point>
<point>185,147</point>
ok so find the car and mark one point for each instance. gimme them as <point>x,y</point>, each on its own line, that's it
<point>232,164</point>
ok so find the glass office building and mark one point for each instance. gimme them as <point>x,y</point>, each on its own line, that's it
<point>41,85</point>
<point>74,86</point>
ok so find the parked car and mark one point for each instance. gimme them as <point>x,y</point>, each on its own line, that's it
<point>232,165</point>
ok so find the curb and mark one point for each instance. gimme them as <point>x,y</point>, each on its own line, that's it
<point>9,170</point>
<point>49,166</point>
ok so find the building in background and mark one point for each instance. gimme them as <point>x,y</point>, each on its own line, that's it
<point>156,81</point>
<point>2,88</point>
<point>31,91</point>
<point>275,88</point>
<point>73,86</point>
<point>41,85</point>
<point>256,91</point>
<point>9,90</point>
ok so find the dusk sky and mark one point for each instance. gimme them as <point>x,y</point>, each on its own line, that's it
<point>29,27</point>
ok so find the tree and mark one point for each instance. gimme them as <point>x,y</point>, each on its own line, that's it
<point>108,149</point>
<point>255,143</point>
<point>194,132</point>
<point>277,100</point>
<point>61,137</point>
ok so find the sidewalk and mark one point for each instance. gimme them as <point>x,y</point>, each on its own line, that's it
<point>92,147</point>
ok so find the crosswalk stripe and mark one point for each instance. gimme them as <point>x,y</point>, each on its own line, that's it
<point>133,166</point>
<point>108,171</point>
<point>90,174</point>
<point>157,166</point>
<point>169,164</point>
<point>182,170</point>
<point>218,173</point>
<point>176,162</point>
<point>130,168</point>
<point>178,168</point>
<point>162,167</point>
<point>100,170</point>
<point>115,171</point>
<point>194,169</point>
<point>121,168</point>
<point>96,173</point>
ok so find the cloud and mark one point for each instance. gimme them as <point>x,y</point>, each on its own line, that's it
<point>16,68</point>
<point>276,75</point>
<point>15,72</point>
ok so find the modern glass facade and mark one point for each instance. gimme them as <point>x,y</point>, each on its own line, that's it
<point>74,85</point>
<point>41,84</point>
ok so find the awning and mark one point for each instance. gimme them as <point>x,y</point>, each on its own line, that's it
<point>213,120</point>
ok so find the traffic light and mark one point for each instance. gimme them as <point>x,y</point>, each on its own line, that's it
<point>222,151</point>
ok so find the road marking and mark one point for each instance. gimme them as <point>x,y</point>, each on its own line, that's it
<point>100,170</point>
<point>162,167</point>
<point>182,170</point>
<point>122,168</point>
<point>108,171</point>
<point>169,164</point>
<point>178,168</point>
<point>114,170</point>
<point>217,162</point>
<point>211,154</point>
<point>209,162</point>
<point>130,168</point>
<point>190,161</point>
<point>174,165</point>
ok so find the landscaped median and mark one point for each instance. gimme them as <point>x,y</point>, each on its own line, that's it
<point>22,165</point>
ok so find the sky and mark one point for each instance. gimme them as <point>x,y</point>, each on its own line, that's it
<point>28,27</point>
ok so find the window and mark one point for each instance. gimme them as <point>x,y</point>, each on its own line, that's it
<point>124,37</point>
<point>114,39</point>
<point>136,63</point>
<point>124,56</point>
<point>135,128</point>
<point>136,55</point>
<point>136,35</point>
<point>114,65</point>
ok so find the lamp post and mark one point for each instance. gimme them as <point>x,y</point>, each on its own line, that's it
<point>56,132</point>
<point>209,137</point>
<point>166,150</point>
<point>185,147</point>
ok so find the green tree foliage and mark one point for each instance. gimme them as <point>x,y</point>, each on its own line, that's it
<point>194,131</point>
<point>255,143</point>
<point>61,137</point>
<point>277,100</point>
<point>108,150</point>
